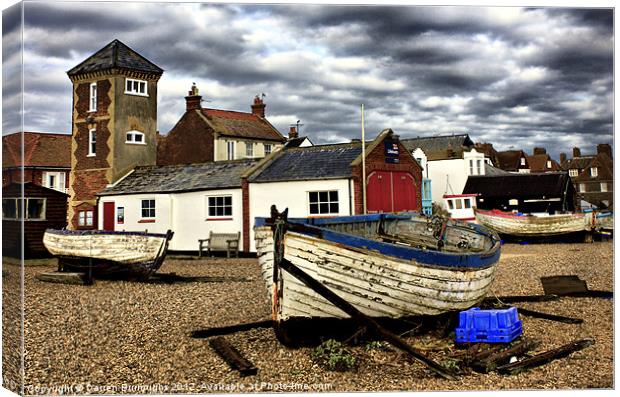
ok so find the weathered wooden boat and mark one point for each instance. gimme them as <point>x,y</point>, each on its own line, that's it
<point>385,265</point>
<point>604,221</point>
<point>527,225</point>
<point>137,253</point>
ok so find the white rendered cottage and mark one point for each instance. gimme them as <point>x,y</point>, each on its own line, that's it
<point>190,200</point>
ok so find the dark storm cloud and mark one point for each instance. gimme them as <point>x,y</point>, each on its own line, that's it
<point>505,75</point>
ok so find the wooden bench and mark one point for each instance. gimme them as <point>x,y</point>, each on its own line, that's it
<point>228,242</point>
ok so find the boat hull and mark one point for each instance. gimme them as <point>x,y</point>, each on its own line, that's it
<point>533,226</point>
<point>103,251</point>
<point>376,284</point>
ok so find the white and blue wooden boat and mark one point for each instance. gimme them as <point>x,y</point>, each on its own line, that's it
<point>386,265</point>
<point>100,251</point>
<point>529,225</point>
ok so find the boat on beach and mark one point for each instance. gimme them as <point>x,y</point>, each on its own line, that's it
<point>136,253</point>
<point>385,265</point>
<point>529,225</point>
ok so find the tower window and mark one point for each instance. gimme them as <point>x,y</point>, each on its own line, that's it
<point>93,97</point>
<point>135,87</point>
<point>135,137</point>
<point>92,142</point>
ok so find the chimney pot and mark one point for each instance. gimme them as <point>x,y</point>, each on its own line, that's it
<point>540,150</point>
<point>292,132</point>
<point>258,107</point>
<point>604,148</point>
<point>192,100</point>
<point>562,158</point>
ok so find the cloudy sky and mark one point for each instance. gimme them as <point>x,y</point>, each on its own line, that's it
<point>515,77</point>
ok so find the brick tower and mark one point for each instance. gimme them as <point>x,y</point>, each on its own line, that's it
<point>114,124</point>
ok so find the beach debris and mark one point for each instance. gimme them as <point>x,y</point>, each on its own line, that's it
<point>230,329</point>
<point>232,356</point>
<point>548,316</point>
<point>491,325</point>
<point>545,357</point>
<point>571,286</point>
<point>494,359</point>
<point>75,278</point>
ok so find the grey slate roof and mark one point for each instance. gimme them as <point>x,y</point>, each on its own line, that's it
<point>115,55</point>
<point>490,170</point>
<point>435,146</point>
<point>295,142</point>
<point>308,163</point>
<point>182,178</point>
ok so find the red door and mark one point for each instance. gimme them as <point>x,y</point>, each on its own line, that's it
<point>405,198</point>
<point>108,215</point>
<point>390,192</point>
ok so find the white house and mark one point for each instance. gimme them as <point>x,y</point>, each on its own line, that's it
<point>448,162</point>
<point>190,200</point>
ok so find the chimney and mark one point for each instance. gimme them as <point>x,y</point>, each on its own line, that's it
<point>576,152</point>
<point>258,107</point>
<point>192,100</point>
<point>292,132</point>
<point>356,140</point>
<point>604,148</point>
<point>540,150</point>
<point>562,158</point>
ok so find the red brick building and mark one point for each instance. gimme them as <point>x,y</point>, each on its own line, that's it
<point>114,124</point>
<point>46,161</point>
<point>541,161</point>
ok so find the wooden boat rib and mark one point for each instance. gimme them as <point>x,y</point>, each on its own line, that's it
<point>108,251</point>
<point>381,279</point>
<point>534,226</point>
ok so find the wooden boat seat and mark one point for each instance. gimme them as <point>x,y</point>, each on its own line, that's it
<point>228,242</point>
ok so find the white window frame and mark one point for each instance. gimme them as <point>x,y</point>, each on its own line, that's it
<point>148,208</point>
<point>17,208</point>
<point>249,150</point>
<point>522,160</point>
<point>479,167</point>
<point>131,135</point>
<point>224,206</point>
<point>230,150</point>
<point>594,172</point>
<point>582,187</point>
<point>549,164</point>
<point>135,87</point>
<point>471,167</point>
<point>92,142</point>
<point>268,148</point>
<point>329,202</point>
<point>85,218</point>
<point>603,186</point>
<point>93,97</point>
<point>573,172</point>
<point>60,177</point>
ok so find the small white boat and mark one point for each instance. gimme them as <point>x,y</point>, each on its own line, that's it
<point>527,225</point>
<point>106,251</point>
<point>385,265</point>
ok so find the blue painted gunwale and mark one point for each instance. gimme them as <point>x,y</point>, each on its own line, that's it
<point>464,261</point>
<point>66,232</point>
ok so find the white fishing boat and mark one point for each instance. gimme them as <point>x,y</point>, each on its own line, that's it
<point>107,251</point>
<point>385,265</point>
<point>530,225</point>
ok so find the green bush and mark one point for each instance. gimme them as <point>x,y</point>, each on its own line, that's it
<point>334,356</point>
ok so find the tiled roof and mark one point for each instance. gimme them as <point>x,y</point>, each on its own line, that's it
<point>578,163</point>
<point>509,160</point>
<point>240,124</point>
<point>550,184</point>
<point>312,162</point>
<point>538,163</point>
<point>182,178</point>
<point>40,150</point>
<point>115,55</point>
<point>437,147</point>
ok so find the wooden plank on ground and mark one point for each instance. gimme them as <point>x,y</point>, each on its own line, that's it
<point>545,357</point>
<point>232,356</point>
<point>63,278</point>
<point>492,361</point>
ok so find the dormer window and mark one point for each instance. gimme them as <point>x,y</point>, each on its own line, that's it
<point>594,172</point>
<point>549,164</point>
<point>522,160</point>
<point>93,97</point>
<point>135,87</point>
<point>92,142</point>
<point>135,137</point>
<point>573,172</point>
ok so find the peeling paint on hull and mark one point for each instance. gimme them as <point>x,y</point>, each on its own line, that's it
<point>534,226</point>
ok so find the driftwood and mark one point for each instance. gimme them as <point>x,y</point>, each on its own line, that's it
<point>230,329</point>
<point>64,278</point>
<point>545,357</point>
<point>494,360</point>
<point>363,319</point>
<point>232,356</point>
<point>548,316</point>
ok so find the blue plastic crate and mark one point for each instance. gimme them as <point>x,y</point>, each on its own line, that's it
<point>491,326</point>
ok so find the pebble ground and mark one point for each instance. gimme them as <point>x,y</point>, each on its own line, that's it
<point>129,337</point>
